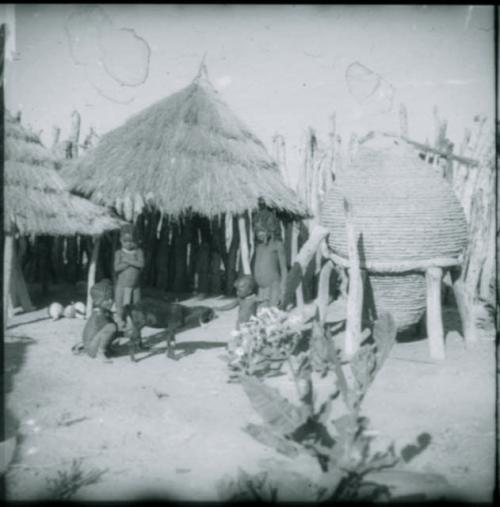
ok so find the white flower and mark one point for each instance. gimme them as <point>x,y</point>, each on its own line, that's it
<point>295,320</point>
<point>238,351</point>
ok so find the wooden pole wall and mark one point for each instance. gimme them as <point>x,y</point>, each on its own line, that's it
<point>245,254</point>
<point>92,274</point>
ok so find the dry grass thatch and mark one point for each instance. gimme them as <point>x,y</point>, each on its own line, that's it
<point>187,152</point>
<point>36,199</point>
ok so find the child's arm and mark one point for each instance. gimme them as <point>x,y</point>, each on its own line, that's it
<point>138,262</point>
<point>120,264</point>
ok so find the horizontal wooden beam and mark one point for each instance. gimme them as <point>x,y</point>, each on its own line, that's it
<point>429,149</point>
<point>396,266</point>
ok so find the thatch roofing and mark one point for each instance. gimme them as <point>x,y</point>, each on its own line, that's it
<point>187,152</point>
<point>36,199</point>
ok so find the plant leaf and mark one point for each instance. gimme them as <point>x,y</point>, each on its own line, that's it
<point>277,411</point>
<point>407,483</point>
<point>364,366</point>
<point>319,349</point>
<point>267,437</point>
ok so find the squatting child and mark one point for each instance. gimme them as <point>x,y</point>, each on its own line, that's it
<point>100,330</point>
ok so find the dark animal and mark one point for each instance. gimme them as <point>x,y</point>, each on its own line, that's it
<point>162,314</point>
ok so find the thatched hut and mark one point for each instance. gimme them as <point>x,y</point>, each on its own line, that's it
<point>410,225</point>
<point>186,155</point>
<point>37,201</point>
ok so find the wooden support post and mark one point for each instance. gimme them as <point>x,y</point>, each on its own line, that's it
<point>310,247</point>
<point>245,257</point>
<point>299,294</point>
<point>465,305</point>
<point>435,331</point>
<point>8,253</point>
<point>300,263</point>
<point>75,133</point>
<point>91,276</point>
<point>403,120</point>
<point>355,294</point>
<point>18,284</point>
<point>323,298</point>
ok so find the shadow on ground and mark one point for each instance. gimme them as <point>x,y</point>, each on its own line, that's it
<point>156,344</point>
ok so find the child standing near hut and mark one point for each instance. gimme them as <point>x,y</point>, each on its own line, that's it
<point>128,265</point>
<point>269,263</point>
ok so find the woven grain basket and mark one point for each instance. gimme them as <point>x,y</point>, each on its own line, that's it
<point>406,212</point>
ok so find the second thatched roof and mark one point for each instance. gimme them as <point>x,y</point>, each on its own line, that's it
<point>36,200</point>
<point>187,152</point>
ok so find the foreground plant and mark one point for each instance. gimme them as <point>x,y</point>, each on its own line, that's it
<point>261,346</point>
<point>68,482</point>
<point>332,431</point>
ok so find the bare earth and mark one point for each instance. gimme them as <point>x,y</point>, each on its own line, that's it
<point>172,429</point>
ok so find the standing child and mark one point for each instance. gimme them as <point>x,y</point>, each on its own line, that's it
<point>269,266</point>
<point>128,265</point>
<point>247,301</point>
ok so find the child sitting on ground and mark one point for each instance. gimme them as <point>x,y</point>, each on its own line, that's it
<point>128,264</point>
<point>100,329</point>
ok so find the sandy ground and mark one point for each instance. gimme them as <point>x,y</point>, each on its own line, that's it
<point>172,429</point>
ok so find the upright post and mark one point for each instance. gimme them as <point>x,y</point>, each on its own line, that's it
<point>91,276</point>
<point>355,294</point>
<point>245,257</point>
<point>324,289</point>
<point>8,252</point>
<point>435,331</point>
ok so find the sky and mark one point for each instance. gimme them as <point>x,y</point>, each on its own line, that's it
<point>280,68</point>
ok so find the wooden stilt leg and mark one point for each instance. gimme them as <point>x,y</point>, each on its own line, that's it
<point>91,275</point>
<point>435,331</point>
<point>324,289</point>
<point>8,251</point>
<point>465,307</point>
<point>245,257</point>
<point>355,294</point>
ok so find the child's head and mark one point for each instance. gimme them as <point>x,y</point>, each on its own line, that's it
<point>267,226</point>
<point>128,237</point>
<point>245,285</point>
<point>102,294</point>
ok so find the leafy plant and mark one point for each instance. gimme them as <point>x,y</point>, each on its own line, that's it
<point>261,346</point>
<point>333,432</point>
<point>68,482</point>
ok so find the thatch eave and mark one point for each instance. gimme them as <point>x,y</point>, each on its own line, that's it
<point>36,199</point>
<point>187,152</point>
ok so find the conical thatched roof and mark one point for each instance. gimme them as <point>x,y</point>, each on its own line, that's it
<point>36,200</point>
<point>185,152</point>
